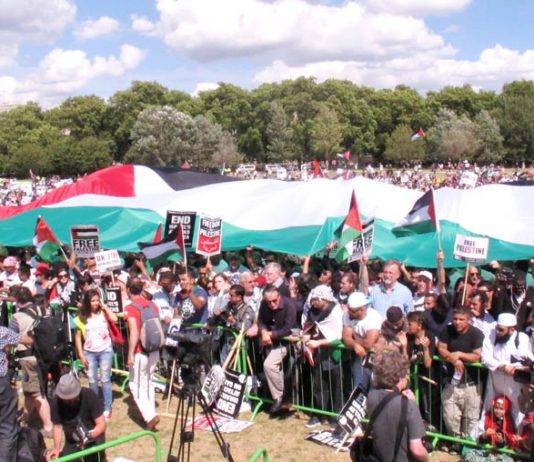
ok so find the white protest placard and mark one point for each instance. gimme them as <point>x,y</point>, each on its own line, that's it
<point>85,240</point>
<point>107,260</point>
<point>471,249</point>
<point>363,244</point>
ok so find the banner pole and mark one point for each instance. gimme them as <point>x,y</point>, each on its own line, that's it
<point>465,283</point>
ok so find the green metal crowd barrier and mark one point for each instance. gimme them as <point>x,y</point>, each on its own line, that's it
<point>117,442</point>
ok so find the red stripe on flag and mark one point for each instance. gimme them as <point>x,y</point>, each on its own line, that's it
<point>118,181</point>
<point>44,233</point>
<point>353,218</point>
<point>157,236</point>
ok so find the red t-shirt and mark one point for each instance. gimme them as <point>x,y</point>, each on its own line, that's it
<point>132,311</point>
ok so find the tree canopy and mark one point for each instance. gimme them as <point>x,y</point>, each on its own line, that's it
<point>297,119</point>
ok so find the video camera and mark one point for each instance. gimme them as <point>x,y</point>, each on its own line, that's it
<point>526,374</point>
<point>80,435</point>
<point>193,353</point>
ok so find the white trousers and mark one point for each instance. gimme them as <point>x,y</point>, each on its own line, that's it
<point>141,383</point>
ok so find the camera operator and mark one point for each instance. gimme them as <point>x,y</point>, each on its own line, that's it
<point>236,315</point>
<point>513,296</point>
<point>8,395</point>
<point>79,414</point>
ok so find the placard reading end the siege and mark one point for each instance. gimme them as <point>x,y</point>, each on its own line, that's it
<point>186,219</point>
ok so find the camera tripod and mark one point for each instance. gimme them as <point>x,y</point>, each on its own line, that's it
<point>188,398</point>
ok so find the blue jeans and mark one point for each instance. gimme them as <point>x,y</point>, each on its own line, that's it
<point>104,361</point>
<point>360,375</point>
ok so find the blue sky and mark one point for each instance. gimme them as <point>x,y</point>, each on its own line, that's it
<point>53,49</point>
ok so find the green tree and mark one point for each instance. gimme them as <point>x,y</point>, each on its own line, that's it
<point>325,134</point>
<point>461,100</point>
<point>453,137</point>
<point>279,134</point>
<point>400,148</point>
<point>204,142</point>
<point>515,115</point>
<point>488,132</point>
<point>123,109</point>
<point>79,116</point>
<point>161,136</point>
<point>226,154</point>
<point>17,125</point>
<point>28,156</point>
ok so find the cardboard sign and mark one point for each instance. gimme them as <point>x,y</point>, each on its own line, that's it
<point>212,384</point>
<point>85,240</point>
<point>327,438</point>
<point>107,260</point>
<point>231,394</point>
<point>114,299</point>
<point>352,413</point>
<point>224,425</point>
<point>209,240</point>
<point>471,249</point>
<point>363,244</point>
<point>187,219</point>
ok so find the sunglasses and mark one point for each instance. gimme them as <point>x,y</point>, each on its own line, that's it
<point>64,275</point>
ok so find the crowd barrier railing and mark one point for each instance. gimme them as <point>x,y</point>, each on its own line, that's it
<point>323,388</point>
<point>117,442</point>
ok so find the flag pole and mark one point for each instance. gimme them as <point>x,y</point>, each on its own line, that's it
<point>465,283</point>
<point>437,224</point>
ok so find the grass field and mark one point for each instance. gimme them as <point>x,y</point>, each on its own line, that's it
<point>283,438</point>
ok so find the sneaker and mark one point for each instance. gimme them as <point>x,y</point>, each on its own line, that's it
<point>107,416</point>
<point>314,421</point>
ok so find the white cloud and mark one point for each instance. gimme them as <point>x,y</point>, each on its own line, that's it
<point>204,86</point>
<point>494,67</point>
<point>143,25</point>
<point>31,21</point>
<point>295,31</point>
<point>92,29</point>
<point>63,72</point>
<point>417,7</point>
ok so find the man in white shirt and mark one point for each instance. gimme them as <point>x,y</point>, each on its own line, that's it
<point>361,328</point>
<point>501,352</point>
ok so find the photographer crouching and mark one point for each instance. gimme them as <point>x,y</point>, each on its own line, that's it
<point>79,414</point>
<point>8,395</point>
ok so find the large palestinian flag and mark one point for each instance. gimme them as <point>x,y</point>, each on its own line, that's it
<point>128,202</point>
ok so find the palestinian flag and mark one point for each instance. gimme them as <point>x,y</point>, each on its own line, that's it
<point>421,218</point>
<point>45,242</point>
<point>168,249</point>
<point>127,202</point>
<point>157,236</point>
<point>351,228</point>
<point>418,135</point>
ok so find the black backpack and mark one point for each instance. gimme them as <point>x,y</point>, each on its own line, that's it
<point>50,339</point>
<point>30,445</point>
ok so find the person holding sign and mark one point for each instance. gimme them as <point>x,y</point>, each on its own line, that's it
<point>93,344</point>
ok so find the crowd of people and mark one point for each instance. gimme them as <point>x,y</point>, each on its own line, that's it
<point>441,322</point>
<point>454,175</point>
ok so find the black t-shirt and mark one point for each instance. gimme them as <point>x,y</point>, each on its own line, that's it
<point>436,323</point>
<point>415,352</point>
<point>467,342</point>
<point>84,411</point>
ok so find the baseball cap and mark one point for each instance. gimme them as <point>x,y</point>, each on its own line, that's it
<point>357,299</point>
<point>425,274</point>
